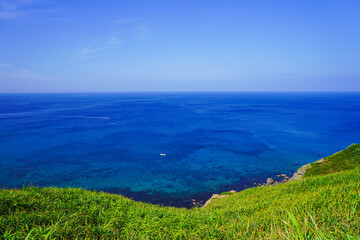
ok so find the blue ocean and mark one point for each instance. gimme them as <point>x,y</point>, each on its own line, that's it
<point>169,148</point>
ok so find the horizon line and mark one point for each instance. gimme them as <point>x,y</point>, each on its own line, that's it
<point>199,91</point>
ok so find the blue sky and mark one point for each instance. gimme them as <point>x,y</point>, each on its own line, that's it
<point>179,45</point>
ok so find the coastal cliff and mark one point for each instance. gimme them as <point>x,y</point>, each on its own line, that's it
<point>270,181</point>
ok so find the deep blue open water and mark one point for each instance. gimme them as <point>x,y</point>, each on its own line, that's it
<point>213,142</point>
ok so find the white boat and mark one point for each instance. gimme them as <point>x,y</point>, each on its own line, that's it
<point>162,154</point>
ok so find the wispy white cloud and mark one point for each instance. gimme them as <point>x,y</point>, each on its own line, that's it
<point>87,53</point>
<point>122,21</point>
<point>113,41</point>
<point>17,9</point>
<point>93,50</point>
<point>11,72</point>
<point>57,20</point>
<point>10,15</point>
<point>17,79</point>
<point>5,66</point>
<point>143,32</point>
<point>134,28</point>
<point>8,5</point>
<point>23,74</point>
<point>87,57</point>
<point>128,29</point>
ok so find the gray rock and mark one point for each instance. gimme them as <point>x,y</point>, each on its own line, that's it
<point>213,197</point>
<point>283,175</point>
<point>233,191</point>
<point>296,176</point>
<point>301,171</point>
<point>269,182</point>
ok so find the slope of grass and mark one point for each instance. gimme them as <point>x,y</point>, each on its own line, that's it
<point>319,207</point>
<point>344,160</point>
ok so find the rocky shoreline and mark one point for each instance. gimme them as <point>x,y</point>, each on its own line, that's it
<point>269,182</point>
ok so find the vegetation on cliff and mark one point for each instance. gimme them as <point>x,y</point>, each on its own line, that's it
<point>324,204</point>
<point>344,160</point>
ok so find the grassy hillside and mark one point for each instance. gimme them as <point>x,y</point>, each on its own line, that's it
<point>344,160</point>
<point>319,206</point>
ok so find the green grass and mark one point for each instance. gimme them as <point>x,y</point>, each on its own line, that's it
<point>225,193</point>
<point>317,207</point>
<point>344,160</point>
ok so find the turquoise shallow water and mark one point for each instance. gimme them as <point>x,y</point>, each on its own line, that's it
<point>213,141</point>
